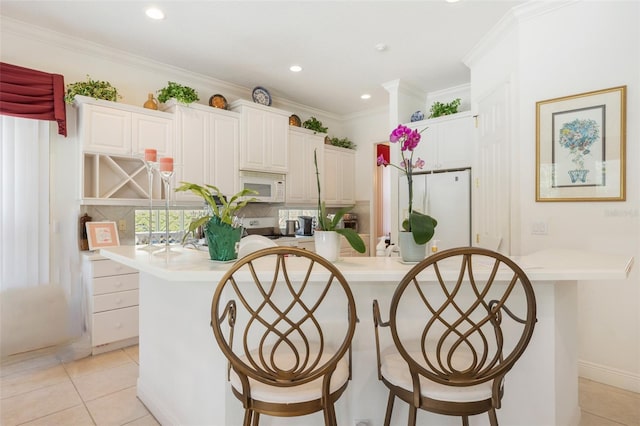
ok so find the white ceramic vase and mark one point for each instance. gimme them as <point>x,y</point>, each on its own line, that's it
<point>327,244</point>
<point>410,251</point>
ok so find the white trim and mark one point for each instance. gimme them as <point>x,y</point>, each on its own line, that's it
<point>609,376</point>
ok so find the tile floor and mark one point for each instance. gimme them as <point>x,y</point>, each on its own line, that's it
<point>37,389</point>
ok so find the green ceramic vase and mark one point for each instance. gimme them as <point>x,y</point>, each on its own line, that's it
<point>223,239</point>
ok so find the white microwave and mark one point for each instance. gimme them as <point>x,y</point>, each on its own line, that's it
<point>270,187</point>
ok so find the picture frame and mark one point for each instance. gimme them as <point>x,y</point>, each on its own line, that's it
<point>580,147</point>
<point>102,234</point>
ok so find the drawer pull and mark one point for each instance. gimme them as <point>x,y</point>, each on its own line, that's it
<point>118,284</point>
<point>118,325</point>
<point>118,301</point>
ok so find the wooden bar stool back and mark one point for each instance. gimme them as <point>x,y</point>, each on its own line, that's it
<point>284,318</point>
<point>459,321</point>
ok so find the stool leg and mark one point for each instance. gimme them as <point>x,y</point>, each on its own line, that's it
<point>413,411</point>
<point>493,418</point>
<point>387,416</point>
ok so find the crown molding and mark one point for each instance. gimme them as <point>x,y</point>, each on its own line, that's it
<point>509,23</point>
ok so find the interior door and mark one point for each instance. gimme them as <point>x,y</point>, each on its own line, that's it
<point>492,201</point>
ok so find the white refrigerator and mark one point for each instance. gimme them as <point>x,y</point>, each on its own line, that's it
<point>445,196</point>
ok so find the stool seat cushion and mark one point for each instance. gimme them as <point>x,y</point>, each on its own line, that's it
<point>292,394</point>
<point>396,370</point>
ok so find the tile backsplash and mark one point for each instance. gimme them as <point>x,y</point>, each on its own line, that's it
<point>127,213</point>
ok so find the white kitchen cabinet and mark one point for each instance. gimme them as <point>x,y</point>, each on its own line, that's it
<point>118,129</point>
<point>113,139</point>
<point>339,176</point>
<point>264,137</point>
<point>206,149</point>
<point>302,187</point>
<point>112,291</point>
<point>447,142</point>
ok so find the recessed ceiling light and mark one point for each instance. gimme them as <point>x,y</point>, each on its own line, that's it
<point>365,96</point>
<point>452,1</point>
<point>154,13</point>
<point>295,68</point>
<point>381,47</point>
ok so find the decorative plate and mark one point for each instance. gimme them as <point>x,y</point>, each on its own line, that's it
<point>294,120</point>
<point>218,101</point>
<point>261,96</point>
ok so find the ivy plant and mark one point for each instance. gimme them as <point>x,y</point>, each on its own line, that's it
<point>315,125</point>
<point>439,109</point>
<point>96,89</point>
<point>182,94</point>
<point>343,143</point>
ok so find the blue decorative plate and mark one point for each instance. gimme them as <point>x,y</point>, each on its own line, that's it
<point>417,116</point>
<point>261,96</point>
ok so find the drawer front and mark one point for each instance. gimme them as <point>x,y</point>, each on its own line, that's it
<point>117,283</point>
<point>120,299</point>
<point>107,267</point>
<point>115,325</point>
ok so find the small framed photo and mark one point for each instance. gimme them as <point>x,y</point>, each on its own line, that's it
<point>102,234</point>
<point>580,147</point>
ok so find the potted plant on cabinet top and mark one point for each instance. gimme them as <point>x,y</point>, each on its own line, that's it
<point>327,236</point>
<point>222,228</point>
<point>315,125</point>
<point>96,89</point>
<point>439,109</point>
<point>180,93</point>
<point>418,227</point>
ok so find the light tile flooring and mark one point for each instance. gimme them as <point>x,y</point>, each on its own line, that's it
<point>37,389</point>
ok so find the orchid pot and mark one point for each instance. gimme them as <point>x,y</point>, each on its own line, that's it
<point>327,244</point>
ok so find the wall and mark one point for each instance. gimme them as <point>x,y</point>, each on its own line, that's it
<point>558,50</point>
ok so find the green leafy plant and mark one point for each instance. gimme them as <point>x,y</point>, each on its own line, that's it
<point>182,94</point>
<point>343,143</point>
<point>315,125</point>
<point>438,108</point>
<point>222,208</point>
<point>326,224</point>
<point>93,88</point>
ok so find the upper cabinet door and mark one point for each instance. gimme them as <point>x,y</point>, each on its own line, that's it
<point>105,130</point>
<point>302,187</point>
<point>339,177</point>
<point>151,132</point>
<point>447,142</point>
<point>223,153</point>
<point>264,138</point>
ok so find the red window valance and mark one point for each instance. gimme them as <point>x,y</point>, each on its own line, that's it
<point>32,94</point>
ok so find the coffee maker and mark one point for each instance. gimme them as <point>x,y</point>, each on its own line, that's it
<point>307,225</point>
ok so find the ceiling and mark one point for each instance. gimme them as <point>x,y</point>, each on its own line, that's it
<point>253,43</point>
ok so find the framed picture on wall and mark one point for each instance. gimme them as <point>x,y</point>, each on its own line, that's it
<point>102,234</point>
<point>580,147</point>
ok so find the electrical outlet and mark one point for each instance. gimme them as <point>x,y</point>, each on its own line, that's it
<point>122,225</point>
<point>539,228</point>
<point>362,422</point>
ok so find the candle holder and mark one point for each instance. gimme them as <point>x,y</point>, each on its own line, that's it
<point>151,166</point>
<point>166,176</point>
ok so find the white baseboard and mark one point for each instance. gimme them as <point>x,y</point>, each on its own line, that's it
<point>609,376</point>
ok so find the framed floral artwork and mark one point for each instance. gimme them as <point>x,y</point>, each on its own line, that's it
<point>580,147</point>
<point>102,234</point>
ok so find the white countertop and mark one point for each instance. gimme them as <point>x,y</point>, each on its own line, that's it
<point>547,265</point>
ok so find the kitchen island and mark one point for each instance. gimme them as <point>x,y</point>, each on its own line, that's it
<point>182,375</point>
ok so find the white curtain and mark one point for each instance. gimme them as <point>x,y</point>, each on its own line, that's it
<point>24,199</point>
